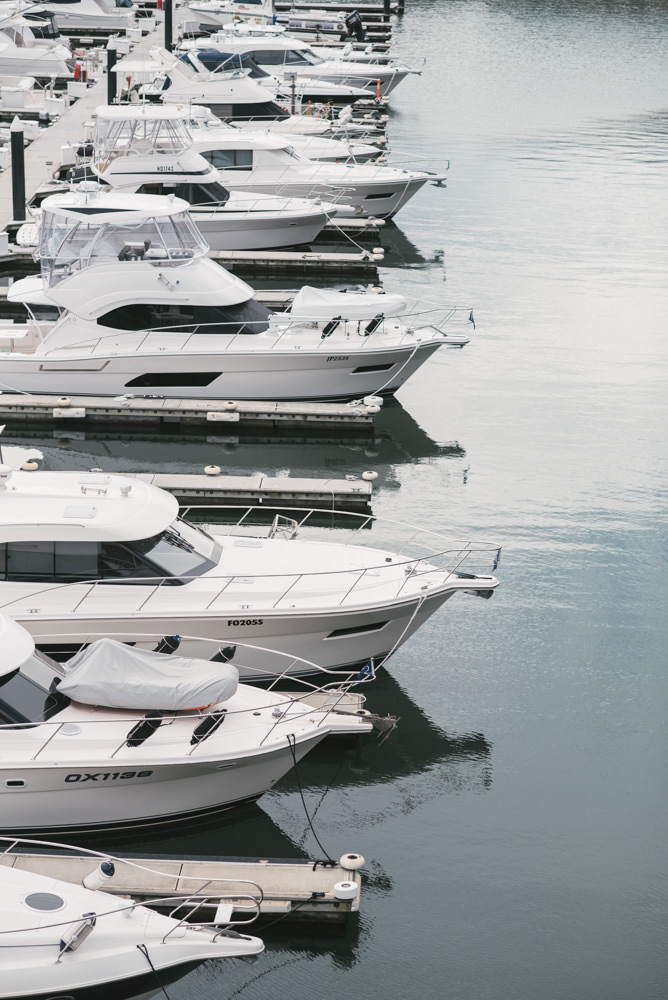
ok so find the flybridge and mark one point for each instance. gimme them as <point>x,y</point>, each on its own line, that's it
<point>61,505</point>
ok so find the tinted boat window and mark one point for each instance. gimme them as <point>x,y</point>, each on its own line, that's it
<point>247,317</point>
<point>29,694</point>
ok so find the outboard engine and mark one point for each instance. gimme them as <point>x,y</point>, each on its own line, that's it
<point>355,26</point>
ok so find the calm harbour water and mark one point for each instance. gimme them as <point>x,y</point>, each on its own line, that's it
<point>514,826</point>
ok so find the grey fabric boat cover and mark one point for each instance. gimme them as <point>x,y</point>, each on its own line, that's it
<point>114,675</point>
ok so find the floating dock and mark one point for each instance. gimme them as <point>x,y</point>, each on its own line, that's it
<point>307,891</point>
<point>342,494</point>
<point>227,416</point>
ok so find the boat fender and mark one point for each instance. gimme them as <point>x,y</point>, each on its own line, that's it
<point>346,890</point>
<point>229,404</point>
<point>211,470</point>
<point>373,325</point>
<point>207,726</point>
<point>168,644</point>
<point>224,655</point>
<point>373,401</point>
<point>99,876</point>
<point>142,730</point>
<point>369,476</point>
<point>30,466</point>
<point>64,401</point>
<point>329,328</point>
<point>76,934</point>
<point>351,862</point>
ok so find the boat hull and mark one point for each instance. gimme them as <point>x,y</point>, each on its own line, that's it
<point>335,640</point>
<point>254,375</point>
<point>132,789</point>
<point>257,230</point>
<point>138,987</point>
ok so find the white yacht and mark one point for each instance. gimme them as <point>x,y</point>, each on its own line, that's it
<point>90,15</point>
<point>89,555</point>
<point>167,736</point>
<point>231,94</point>
<point>147,149</point>
<point>140,308</point>
<point>278,53</point>
<point>324,145</point>
<point>268,163</point>
<point>23,53</point>
<point>65,940</point>
<point>292,87</point>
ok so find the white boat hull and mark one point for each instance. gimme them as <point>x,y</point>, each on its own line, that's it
<point>257,375</point>
<point>259,230</point>
<point>335,639</point>
<point>133,789</point>
<point>381,199</point>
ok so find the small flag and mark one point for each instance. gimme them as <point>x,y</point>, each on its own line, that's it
<point>368,672</point>
<point>471,319</point>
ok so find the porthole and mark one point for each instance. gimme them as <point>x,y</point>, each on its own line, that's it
<point>44,901</point>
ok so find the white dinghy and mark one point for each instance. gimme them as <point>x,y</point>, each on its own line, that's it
<point>120,736</point>
<point>96,554</point>
<point>63,940</point>
<point>141,309</point>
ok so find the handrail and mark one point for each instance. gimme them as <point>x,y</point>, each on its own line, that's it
<point>450,561</point>
<point>281,325</point>
<point>339,686</point>
<point>126,907</point>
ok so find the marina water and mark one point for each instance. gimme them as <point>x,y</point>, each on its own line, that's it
<point>514,825</point>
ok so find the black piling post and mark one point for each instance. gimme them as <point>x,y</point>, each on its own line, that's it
<point>167,7</point>
<point>112,56</point>
<point>18,171</point>
<point>387,9</point>
<point>401,6</point>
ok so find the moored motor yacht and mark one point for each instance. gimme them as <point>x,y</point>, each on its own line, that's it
<point>276,52</point>
<point>326,148</point>
<point>252,161</point>
<point>97,554</point>
<point>25,53</point>
<point>88,15</point>
<point>65,940</point>
<point>147,149</point>
<point>120,736</point>
<point>142,309</point>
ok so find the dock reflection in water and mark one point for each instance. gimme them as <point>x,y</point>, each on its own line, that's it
<point>397,439</point>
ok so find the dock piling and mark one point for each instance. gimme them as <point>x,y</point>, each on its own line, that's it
<point>111,72</point>
<point>18,171</point>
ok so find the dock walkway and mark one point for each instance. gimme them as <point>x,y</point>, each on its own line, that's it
<point>304,890</point>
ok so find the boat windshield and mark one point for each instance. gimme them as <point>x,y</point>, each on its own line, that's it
<point>68,245</point>
<point>141,136</point>
<point>181,550</point>
<point>29,693</point>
